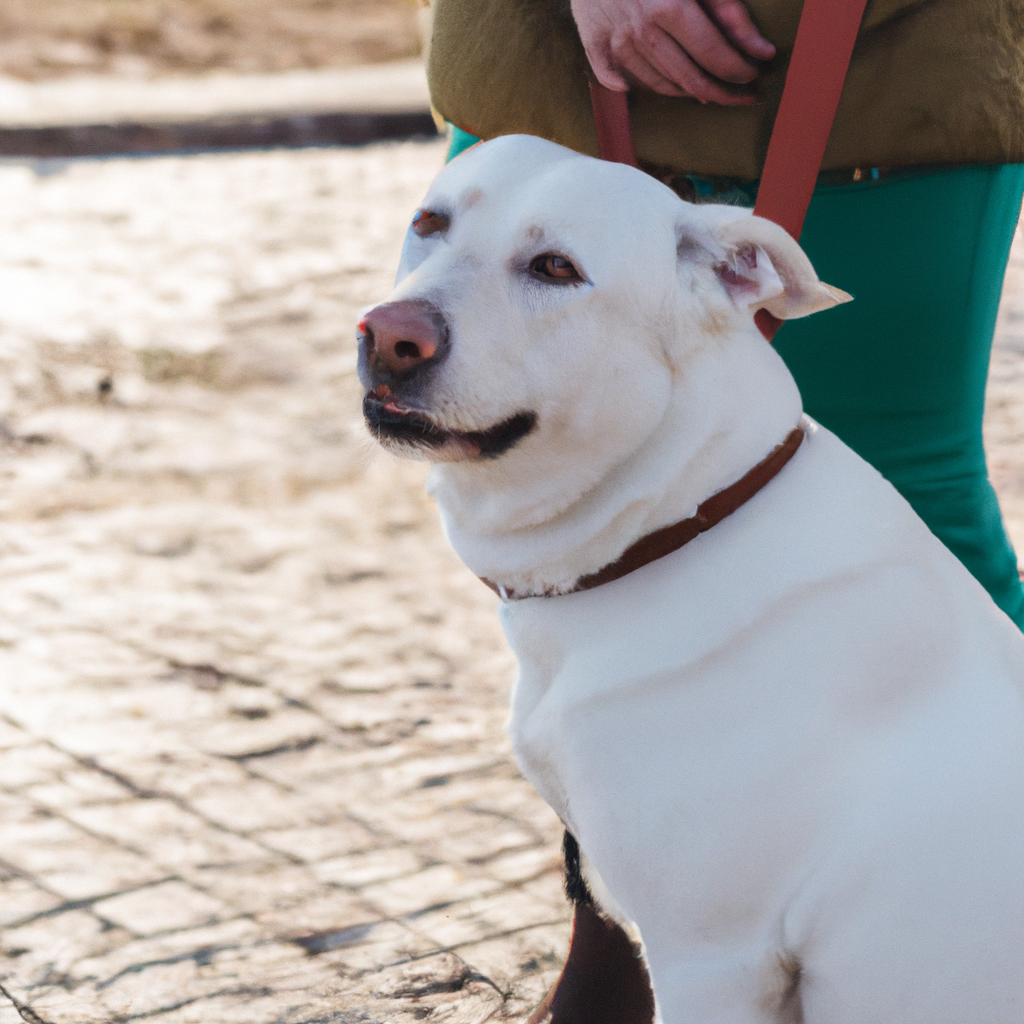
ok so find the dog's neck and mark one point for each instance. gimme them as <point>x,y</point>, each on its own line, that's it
<point>730,407</point>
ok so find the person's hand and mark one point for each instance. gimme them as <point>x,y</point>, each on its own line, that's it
<point>675,47</point>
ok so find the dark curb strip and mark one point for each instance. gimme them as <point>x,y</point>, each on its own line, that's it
<point>251,131</point>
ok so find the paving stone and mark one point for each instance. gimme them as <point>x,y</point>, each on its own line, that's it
<point>9,1013</point>
<point>68,861</point>
<point>77,787</point>
<point>177,837</point>
<point>250,805</point>
<point>476,920</point>
<point>57,1006</point>
<point>477,838</point>
<point>521,865</point>
<point>169,906</point>
<point>10,736</point>
<point>328,911</point>
<point>414,893</point>
<point>175,770</point>
<point>22,899</point>
<point>270,731</point>
<point>225,941</point>
<point>15,808</point>
<point>524,964</point>
<point>361,869</point>
<point>257,887</point>
<point>32,764</point>
<point>318,842</point>
<point>370,947</point>
<point>47,953</point>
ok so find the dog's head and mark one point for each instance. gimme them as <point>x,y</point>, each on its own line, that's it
<point>546,303</point>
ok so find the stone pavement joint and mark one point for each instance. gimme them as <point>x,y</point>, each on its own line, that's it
<point>25,1013</point>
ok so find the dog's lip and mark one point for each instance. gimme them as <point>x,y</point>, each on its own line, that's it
<point>390,418</point>
<point>390,401</point>
<point>383,397</point>
<point>401,409</point>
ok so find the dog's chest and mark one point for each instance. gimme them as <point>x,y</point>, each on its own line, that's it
<point>680,715</point>
<point>645,725</point>
<point>667,768</point>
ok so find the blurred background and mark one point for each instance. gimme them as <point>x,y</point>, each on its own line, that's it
<point>252,759</point>
<point>42,39</point>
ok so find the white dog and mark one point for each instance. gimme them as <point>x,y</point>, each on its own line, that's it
<point>792,750</point>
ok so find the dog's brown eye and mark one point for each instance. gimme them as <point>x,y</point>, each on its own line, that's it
<point>429,222</point>
<point>555,269</point>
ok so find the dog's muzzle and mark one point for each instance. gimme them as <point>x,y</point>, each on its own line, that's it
<point>400,344</point>
<point>397,426</point>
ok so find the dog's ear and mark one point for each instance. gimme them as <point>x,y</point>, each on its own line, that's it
<point>765,269</point>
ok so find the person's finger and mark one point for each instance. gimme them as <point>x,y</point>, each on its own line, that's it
<point>642,72</point>
<point>605,71</point>
<point>733,18</point>
<point>686,22</point>
<point>668,60</point>
<point>596,22</point>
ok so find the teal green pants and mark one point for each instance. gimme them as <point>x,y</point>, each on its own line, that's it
<point>899,374</point>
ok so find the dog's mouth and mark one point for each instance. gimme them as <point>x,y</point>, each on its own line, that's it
<point>395,425</point>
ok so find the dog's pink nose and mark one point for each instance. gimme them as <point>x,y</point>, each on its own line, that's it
<point>400,336</point>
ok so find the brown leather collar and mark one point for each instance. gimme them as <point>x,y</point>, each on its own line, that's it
<point>671,538</point>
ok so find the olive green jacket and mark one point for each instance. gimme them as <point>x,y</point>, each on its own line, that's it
<point>931,82</point>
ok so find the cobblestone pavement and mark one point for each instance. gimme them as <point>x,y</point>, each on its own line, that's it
<point>252,764</point>
<point>1004,410</point>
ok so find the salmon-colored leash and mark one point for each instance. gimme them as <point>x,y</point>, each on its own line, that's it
<point>814,82</point>
<point>611,118</point>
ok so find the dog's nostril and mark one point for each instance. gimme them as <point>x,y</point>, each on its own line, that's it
<point>407,350</point>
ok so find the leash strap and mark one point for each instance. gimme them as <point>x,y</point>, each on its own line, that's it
<point>611,118</point>
<point>814,82</point>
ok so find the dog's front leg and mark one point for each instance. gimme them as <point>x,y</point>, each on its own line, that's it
<point>604,980</point>
<point>753,985</point>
